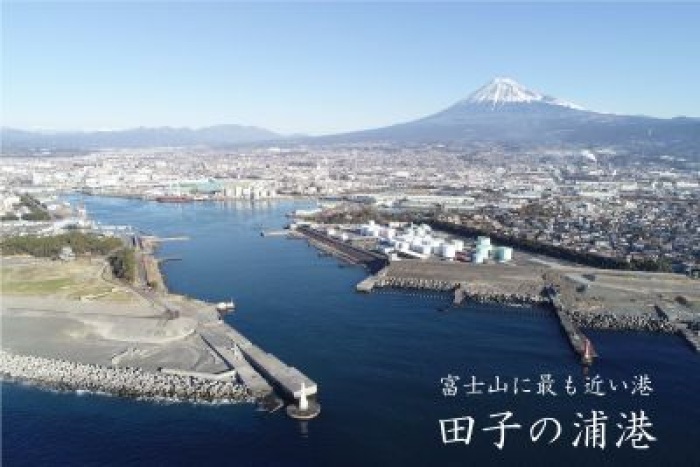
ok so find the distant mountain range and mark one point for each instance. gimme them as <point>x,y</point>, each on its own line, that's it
<point>502,111</point>
<point>137,137</point>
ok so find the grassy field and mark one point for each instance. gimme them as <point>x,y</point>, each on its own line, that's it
<point>76,280</point>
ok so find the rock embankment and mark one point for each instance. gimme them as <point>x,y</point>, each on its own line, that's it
<point>126,382</point>
<point>507,294</point>
<point>413,283</point>
<point>621,322</point>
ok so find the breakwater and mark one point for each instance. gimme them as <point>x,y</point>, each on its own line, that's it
<point>620,322</point>
<point>125,382</point>
<point>479,293</point>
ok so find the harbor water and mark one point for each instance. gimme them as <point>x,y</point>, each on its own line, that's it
<point>378,360</point>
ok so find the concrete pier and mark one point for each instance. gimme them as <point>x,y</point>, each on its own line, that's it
<point>459,295</point>
<point>214,336</point>
<point>366,285</point>
<point>576,338</point>
<point>288,379</point>
<point>258,370</point>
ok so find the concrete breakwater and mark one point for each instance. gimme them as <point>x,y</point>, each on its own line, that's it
<point>126,382</point>
<point>617,322</point>
<point>463,292</point>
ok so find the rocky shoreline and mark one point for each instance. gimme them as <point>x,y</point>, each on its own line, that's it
<point>125,382</point>
<point>409,283</point>
<point>615,322</point>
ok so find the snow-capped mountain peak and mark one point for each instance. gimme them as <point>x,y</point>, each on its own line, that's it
<point>502,91</point>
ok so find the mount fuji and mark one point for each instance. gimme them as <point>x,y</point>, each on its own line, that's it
<point>504,111</point>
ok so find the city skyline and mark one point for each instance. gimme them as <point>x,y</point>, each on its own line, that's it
<point>319,69</point>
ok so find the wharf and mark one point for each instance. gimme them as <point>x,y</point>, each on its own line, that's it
<point>156,239</point>
<point>346,252</point>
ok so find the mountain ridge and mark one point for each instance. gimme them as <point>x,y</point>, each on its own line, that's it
<point>222,134</point>
<point>501,111</point>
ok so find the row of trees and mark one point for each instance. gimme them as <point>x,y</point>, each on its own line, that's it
<point>37,211</point>
<point>121,258</point>
<point>557,251</point>
<point>50,247</point>
<point>123,263</point>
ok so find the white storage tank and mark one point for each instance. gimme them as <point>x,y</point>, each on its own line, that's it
<point>425,249</point>
<point>483,241</point>
<point>483,250</point>
<point>503,254</point>
<point>448,251</point>
<point>458,244</point>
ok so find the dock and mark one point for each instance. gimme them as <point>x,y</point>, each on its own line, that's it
<point>344,251</point>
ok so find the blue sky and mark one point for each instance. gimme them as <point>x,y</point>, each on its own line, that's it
<point>318,67</point>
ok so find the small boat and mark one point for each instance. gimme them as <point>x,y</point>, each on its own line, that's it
<point>225,306</point>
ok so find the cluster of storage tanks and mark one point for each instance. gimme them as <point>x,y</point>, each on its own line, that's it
<point>419,240</point>
<point>484,250</point>
<point>414,239</point>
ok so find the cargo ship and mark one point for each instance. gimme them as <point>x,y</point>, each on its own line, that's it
<point>174,199</point>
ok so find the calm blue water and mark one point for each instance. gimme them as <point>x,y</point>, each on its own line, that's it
<point>377,358</point>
